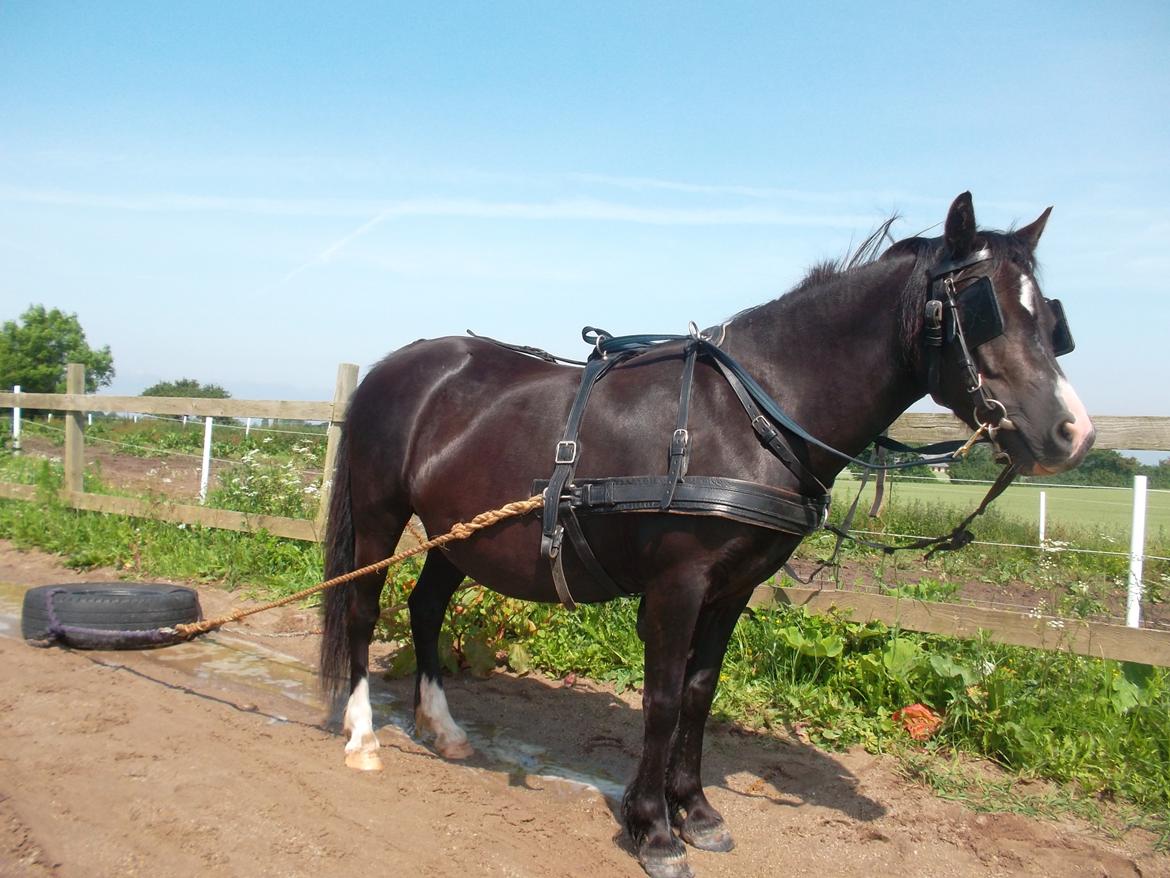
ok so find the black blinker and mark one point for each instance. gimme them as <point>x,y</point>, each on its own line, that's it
<point>1062,340</point>
<point>979,313</point>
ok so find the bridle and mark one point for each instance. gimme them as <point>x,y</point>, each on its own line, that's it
<point>944,324</point>
<point>969,318</point>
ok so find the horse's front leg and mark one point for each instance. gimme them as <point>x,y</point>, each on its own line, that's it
<point>699,824</point>
<point>428,605</point>
<point>670,612</point>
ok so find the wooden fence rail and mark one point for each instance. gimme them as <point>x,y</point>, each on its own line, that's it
<point>75,403</point>
<point>957,620</point>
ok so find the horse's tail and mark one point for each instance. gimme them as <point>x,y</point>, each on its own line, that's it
<point>339,559</point>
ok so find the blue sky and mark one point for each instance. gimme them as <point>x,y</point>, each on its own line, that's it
<point>251,193</point>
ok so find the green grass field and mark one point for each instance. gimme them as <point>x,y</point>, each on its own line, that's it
<point>1105,511</point>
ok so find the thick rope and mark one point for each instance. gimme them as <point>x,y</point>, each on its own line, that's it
<point>460,531</point>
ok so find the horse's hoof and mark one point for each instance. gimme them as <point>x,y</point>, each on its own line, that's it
<point>715,838</point>
<point>665,859</point>
<point>460,749</point>
<point>363,760</point>
<point>667,866</point>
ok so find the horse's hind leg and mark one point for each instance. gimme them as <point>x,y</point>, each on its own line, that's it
<point>361,750</point>
<point>428,605</point>
<point>699,824</point>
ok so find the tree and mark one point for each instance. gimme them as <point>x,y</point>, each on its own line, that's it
<point>188,387</point>
<point>35,350</point>
<point>1159,475</point>
<point>1101,466</point>
<point>978,465</point>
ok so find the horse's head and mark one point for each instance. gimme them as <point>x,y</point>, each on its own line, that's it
<point>992,340</point>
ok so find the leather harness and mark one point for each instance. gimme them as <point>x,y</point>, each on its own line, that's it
<point>799,513</point>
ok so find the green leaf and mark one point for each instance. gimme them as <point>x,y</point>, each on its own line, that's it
<point>1124,695</point>
<point>901,657</point>
<point>519,660</point>
<point>402,664</point>
<point>945,667</point>
<point>819,646</point>
<point>1137,673</point>
<point>480,655</point>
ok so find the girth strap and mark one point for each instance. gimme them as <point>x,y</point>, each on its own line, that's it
<point>735,499</point>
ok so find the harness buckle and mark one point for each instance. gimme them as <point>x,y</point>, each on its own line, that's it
<point>764,429</point>
<point>679,441</point>
<point>566,452</point>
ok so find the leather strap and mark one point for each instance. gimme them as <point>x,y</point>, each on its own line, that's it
<point>767,433</point>
<point>564,465</point>
<point>680,440</point>
<point>735,499</point>
<point>585,553</point>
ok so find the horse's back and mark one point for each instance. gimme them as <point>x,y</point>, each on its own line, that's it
<point>437,410</point>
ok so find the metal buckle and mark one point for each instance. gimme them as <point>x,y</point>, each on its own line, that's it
<point>764,428</point>
<point>679,441</point>
<point>566,452</point>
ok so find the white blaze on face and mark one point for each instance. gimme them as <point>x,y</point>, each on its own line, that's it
<point>359,718</point>
<point>1082,428</point>
<point>1028,295</point>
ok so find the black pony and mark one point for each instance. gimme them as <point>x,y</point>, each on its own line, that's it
<point>451,427</point>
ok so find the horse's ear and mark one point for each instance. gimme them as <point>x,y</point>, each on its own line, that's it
<point>1030,234</point>
<point>960,227</point>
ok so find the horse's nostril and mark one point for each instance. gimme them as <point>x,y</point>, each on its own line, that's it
<point>1064,436</point>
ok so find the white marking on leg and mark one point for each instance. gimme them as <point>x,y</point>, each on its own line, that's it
<point>450,740</point>
<point>1028,294</point>
<point>361,751</point>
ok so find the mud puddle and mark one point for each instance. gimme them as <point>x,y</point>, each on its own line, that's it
<point>222,661</point>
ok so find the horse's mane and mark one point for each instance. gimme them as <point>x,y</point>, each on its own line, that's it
<point>826,276</point>
<point>830,278</point>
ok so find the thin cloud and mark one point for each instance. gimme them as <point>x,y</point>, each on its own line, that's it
<point>572,210</point>
<point>578,209</point>
<point>182,203</point>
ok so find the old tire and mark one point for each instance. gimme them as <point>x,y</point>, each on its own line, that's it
<point>106,615</point>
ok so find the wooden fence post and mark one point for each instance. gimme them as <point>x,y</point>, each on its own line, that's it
<point>347,374</point>
<point>74,435</point>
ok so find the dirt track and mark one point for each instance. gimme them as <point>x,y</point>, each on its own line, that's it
<point>184,762</point>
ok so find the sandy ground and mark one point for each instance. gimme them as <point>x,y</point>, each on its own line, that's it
<point>214,758</point>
